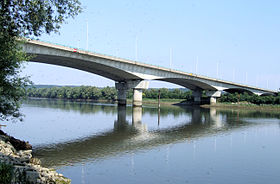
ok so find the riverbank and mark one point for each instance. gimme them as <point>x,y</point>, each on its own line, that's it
<point>18,166</point>
<point>162,101</point>
<point>245,106</point>
<point>129,101</point>
<point>183,102</point>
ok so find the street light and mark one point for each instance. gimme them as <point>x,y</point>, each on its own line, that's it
<point>196,64</point>
<point>136,48</point>
<point>170,58</point>
<point>218,69</point>
<point>87,36</point>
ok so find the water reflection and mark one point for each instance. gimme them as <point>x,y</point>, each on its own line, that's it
<point>130,135</point>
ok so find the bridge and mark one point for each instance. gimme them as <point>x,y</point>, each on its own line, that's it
<point>129,74</point>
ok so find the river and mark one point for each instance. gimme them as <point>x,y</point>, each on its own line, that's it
<point>103,143</point>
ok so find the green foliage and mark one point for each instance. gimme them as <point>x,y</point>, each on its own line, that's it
<point>11,84</point>
<point>24,18</point>
<point>82,92</point>
<point>6,173</point>
<point>167,94</point>
<point>107,93</point>
<point>254,99</point>
<point>33,17</point>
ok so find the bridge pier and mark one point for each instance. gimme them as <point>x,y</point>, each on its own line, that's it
<point>197,96</point>
<point>136,85</point>
<point>122,88</point>
<point>213,96</point>
<point>213,100</point>
<point>122,97</point>
<point>137,97</point>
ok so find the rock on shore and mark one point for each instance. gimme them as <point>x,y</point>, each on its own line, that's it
<point>25,168</point>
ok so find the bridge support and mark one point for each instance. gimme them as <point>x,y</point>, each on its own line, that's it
<point>197,96</point>
<point>137,97</point>
<point>213,100</point>
<point>122,88</point>
<point>137,85</point>
<point>213,96</point>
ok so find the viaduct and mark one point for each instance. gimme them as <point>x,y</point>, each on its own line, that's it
<point>129,74</point>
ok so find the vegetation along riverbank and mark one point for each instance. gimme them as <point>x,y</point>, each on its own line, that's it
<point>150,96</point>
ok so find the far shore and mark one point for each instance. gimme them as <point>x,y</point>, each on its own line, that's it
<point>182,102</point>
<point>245,106</point>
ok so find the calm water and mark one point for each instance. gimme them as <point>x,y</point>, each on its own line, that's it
<point>101,143</point>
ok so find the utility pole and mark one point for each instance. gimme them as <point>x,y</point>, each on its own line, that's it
<point>170,58</point>
<point>87,37</point>
<point>233,74</point>
<point>78,43</point>
<point>266,83</point>
<point>136,48</point>
<point>218,69</point>
<point>196,64</point>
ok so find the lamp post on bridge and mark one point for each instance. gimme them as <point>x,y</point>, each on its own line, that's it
<point>196,64</point>
<point>136,48</point>
<point>218,69</point>
<point>87,36</point>
<point>170,58</point>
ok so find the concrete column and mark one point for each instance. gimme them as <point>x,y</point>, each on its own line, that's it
<point>213,96</point>
<point>137,97</point>
<point>137,86</point>
<point>197,96</point>
<point>122,88</point>
<point>122,96</point>
<point>213,100</point>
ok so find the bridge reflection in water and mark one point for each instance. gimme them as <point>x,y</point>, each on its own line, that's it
<point>129,136</point>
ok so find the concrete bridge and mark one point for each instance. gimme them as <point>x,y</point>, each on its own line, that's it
<point>129,74</point>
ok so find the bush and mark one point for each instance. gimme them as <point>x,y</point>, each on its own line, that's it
<point>6,172</point>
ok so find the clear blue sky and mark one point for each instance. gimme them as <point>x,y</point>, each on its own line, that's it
<point>239,38</point>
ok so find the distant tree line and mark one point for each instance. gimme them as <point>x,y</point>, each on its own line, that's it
<point>250,98</point>
<point>110,94</point>
<point>107,93</point>
<point>81,92</point>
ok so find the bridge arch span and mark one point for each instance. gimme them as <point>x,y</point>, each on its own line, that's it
<point>238,90</point>
<point>189,83</point>
<point>112,73</point>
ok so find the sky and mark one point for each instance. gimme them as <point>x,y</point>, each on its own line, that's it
<point>236,40</point>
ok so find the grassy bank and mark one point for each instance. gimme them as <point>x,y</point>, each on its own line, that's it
<point>183,102</point>
<point>245,106</point>
<point>163,101</point>
<point>166,101</point>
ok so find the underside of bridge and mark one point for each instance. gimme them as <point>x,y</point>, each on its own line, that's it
<point>126,80</point>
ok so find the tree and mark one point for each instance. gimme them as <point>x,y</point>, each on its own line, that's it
<point>24,18</point>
